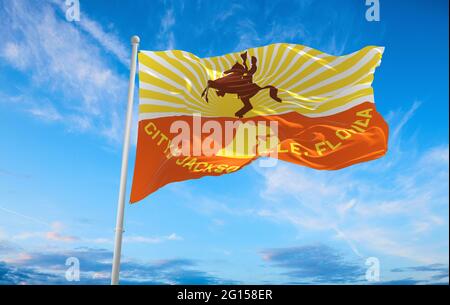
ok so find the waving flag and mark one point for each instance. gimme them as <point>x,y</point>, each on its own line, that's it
<point>212,116</point>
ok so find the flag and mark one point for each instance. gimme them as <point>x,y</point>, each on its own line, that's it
<point>213,116</point>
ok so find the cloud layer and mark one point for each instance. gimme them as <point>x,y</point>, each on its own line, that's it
<point>49,267</point>
<point>315,264</point>
<point>73,82</point>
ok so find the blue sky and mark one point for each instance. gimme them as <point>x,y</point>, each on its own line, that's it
<point>62,104</point>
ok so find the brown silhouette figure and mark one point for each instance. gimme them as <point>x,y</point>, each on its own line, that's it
<point>239,80</point>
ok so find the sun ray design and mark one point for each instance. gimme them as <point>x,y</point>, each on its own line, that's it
<point>306,80</point>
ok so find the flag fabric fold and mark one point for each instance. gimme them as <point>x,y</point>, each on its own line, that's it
<point>212,116</point>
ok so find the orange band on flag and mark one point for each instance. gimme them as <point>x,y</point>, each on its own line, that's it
<point>328,143</point>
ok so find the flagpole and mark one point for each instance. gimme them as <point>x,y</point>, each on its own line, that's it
<point>123,172</point>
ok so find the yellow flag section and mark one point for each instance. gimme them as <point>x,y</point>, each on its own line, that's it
<point>309,82</point>
<point>319,110</point>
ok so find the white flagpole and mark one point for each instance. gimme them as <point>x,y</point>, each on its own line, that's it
<point>123,172</point>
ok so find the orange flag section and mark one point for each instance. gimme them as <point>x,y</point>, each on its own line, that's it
<point>329,142</point>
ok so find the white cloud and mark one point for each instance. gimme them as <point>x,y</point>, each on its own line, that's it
<point>394,210</point>
<point>392,243</point>
<point>405,119</point>
<point>354,206</point>
<point>55,234</point>
<point>152,240</point>
<point>67,65</point>
<point>11,53</point>
<point>23,216</point>
<point>108,41</point>
<point>166,36</point>
<point>437,155</point>
<point>142,239</point>
<point>59,237</point>
<point>231,11</point>
<point>167,21</point>
<point>136,239</point>
<point>45,112</point>
<point>330,37</point>
<point>174,236</point>
<point>248,35</point>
